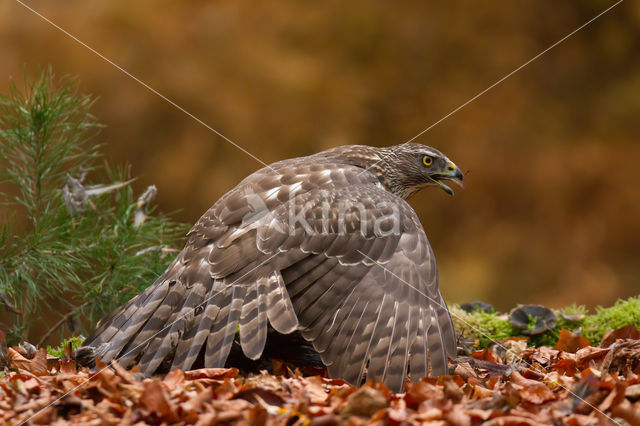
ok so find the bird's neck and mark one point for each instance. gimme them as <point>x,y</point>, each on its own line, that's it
<point>378,161</point>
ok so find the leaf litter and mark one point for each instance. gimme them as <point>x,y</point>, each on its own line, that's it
<point>571,383</point>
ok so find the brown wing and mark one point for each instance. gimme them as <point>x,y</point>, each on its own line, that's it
<point>360,296</point>
<point>366,298</point>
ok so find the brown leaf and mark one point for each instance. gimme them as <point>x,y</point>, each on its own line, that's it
<point>258,396</point>
<point>52,362</point>
<point>532,391</point>
<point>518,379</point>
<point>623,353</point>
<point>230,410</point>
<point>627,411</point>
<point>195,403</point>
<point>511,421</point>
<point>585,355</point>
<point>457,417</point>
<point>124,374</point>
<point>628,332</point>
<point>464,369</point>
<point>68,367</point>
<point>174,378</point>
<point>313,389</point>
<point>571,342</point>
<point>365,402</point>
<point>156,400</point>
<point>211,373</point>
<point>479,392</point>
<point>37,365</point>
<point>484,355</point>
<point>544,355</point>
<point>416,392</point>
<point>397,413</point>
<point>566,367</point>
<point>633,392</point>
<point>452,391</point>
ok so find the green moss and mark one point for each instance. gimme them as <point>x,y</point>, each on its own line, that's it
<point>485,327</point>
<point>532,322</point>
<point>622,313</point>
<point>550,337</point>
<point>491,327</point>
<point>59,352</point>
<point>574,309</point>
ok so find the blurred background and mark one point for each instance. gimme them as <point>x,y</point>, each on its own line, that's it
<point>551,209</point>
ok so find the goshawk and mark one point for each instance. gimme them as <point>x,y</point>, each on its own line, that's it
<point>326,245</point>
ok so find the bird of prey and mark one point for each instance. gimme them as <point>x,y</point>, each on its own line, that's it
<point>325,245</point>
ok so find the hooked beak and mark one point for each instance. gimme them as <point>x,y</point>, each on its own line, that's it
<point>452,173</point>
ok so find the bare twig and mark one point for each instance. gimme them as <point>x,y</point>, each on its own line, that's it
<point>59,323</point>
<point>8,305</point>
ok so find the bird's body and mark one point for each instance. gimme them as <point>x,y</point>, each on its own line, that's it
<point>324,244</point>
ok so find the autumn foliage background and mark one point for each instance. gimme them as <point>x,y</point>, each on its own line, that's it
<point>550,212</point>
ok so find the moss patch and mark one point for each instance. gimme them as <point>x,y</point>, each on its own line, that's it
<point>484,327</point>
<point>494,327</point>
<point>623,312</point>
<point>59,351</point>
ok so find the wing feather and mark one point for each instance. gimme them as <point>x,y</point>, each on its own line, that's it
<point>253,320</point>
<point>223,331</point>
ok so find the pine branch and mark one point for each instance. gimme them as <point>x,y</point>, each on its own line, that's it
<point>82,242</point>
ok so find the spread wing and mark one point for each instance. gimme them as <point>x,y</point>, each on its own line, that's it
<point>317,247</point>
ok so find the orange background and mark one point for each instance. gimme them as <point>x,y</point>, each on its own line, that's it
<point>551,211</point>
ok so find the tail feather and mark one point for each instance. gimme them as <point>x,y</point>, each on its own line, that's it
<point>398,354</point>
<point>136,321</point>
<point>223,332</point>
<point>437,351</point>
<point>279,308</point>
<point>447,329</point>
<point>111,324</point>
<point>181,322</point>
<point>159,327</point>
<point>253,320</point>
<point>419,363</point>
<point>209,315</point>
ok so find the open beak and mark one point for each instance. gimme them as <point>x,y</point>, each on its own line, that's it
<point>452,173</point>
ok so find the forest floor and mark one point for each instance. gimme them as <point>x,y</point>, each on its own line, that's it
<point>572,383</point>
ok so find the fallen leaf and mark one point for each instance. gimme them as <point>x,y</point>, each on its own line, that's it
<point>37,365</point>
<point>633,392</point>
<point>627,411</point>
<point>67,367</point>
<point>571,342</point>
<point>566,367</point>
<point>156,400</point>
<point>532,391</point>
<point>464,369</point>
<point>258,396</point>
<point>211,373</point>
<point>545,355</point>
<point>585,355</point>
<point>124,374</point>
<point>416,392</point>
<point>622,354</point>
<point>174,378</point>
<point>484,355</point>
<point>628,332</point>
<point>452,391</point>
<point>365,402</point>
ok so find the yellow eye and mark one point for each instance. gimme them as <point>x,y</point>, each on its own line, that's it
<point>427,161</point>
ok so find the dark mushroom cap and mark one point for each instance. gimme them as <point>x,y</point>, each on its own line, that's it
<point>522,316</point>
<point>477,306</point>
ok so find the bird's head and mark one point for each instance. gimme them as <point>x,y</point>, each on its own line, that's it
<point>414,166</point>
